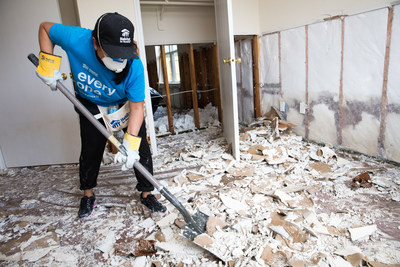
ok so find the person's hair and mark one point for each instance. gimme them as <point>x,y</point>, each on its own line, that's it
<point>119,77</point>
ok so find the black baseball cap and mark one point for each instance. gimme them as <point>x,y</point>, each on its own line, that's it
<point>114,33</point>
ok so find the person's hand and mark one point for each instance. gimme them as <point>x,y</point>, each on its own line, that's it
<point>131,144</point>
<point>48,69</point>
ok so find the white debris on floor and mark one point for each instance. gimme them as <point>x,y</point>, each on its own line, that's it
<point>287,202</point>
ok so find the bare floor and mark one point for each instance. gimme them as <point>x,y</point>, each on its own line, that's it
<point>289,203</point>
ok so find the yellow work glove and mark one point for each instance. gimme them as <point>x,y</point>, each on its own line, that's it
<point>48,69</point>
<point>131,144</point>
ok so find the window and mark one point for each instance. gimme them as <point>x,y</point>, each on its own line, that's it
<point>172,62</point>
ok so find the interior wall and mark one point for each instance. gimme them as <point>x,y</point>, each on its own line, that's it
<point>178,24</point>
<point>336,69</point>
<point>287,14</point>
<point>90,11</point>
<point>270,81</point>
<point>246,17</point>
<point>39,126</point>
<point>244,80</point>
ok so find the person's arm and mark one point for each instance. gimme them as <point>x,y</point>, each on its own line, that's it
<point>135,117</point>
<point>48,69</point>
<point>46,45</point>
<point>131,140</point>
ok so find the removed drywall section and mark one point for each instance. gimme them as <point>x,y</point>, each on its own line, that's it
<point>244,80</point>
<point>391,137</point>
<point>269,71</point>
<point>286,14</point>
<point>324,48</point>
<point>364,48</point>
<point>294,75</point>
<point>392,140</point>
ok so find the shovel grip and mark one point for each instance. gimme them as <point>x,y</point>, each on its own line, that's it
<point>33,59</point>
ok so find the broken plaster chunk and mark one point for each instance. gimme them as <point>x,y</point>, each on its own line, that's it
<point>203,240</point>
<point>326,153</point>
<point>288,230</point>
<point>285,198</point>
<point>321,167</point>
<point>273,258</point>
<point>180,223</point>
<point>107,246</point>
<point>160,236</point>
<point>167,220</point>
<point>352,254</point>
<point>362,232</point>
<point>348,251</point>
<point>233,204</point>
<point>338,262</point>
<point>276,155</point>
<point>242,171</point>
<point>148,223</point>
<point>213,223</point>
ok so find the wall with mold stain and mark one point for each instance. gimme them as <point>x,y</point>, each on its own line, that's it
<point>337,68</point>
<point>391,140</point>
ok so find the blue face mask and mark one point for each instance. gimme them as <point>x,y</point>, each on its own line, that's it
<point>114,64</point>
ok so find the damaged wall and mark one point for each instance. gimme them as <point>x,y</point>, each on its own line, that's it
<point>339,81</point>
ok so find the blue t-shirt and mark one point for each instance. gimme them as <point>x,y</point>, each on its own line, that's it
<point>93,81</point>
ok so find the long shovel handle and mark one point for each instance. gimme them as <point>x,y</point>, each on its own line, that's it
<point>188,218</point>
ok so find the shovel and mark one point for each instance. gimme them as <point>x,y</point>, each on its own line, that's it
<point>196,224</point>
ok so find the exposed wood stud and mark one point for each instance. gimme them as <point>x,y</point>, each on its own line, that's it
<point>166,85</point>
<point>384,100</point>
<point>256,76</point>
<point>193,86</point>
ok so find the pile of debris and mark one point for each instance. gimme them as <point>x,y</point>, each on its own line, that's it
<point>277,201</point>
<point>287,202</point>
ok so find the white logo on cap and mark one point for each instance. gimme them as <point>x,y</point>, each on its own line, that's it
<point>125,36</point>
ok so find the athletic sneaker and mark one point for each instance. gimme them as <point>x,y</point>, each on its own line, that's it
<point>152,203</point>
<point>87,206</point>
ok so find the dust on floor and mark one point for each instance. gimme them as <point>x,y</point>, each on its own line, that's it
<point>288,202</point>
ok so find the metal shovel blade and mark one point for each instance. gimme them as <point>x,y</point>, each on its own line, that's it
<point>196,226</point>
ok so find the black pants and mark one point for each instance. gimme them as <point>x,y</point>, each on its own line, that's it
<point>93,144</point>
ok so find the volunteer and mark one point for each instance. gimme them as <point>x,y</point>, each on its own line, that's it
<point>106,71</point>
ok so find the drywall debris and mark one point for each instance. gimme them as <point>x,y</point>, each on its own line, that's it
<point>180,223</point>
<point>167,220</point>
<point>160,236</point>
<point>203,240</point>
<point>233,204</point>
<point>288,230</point>
<point>147,223</point>
<point>321,167</point>
<point>39,246</point>
<point>362,232</point>
<point>107,245</point>
<point>273,257</point>
<point>213,224</point>
<point>361,180</point>
<point>276,155</point>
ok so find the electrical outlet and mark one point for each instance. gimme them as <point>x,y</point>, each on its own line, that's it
<point>303,107</point>
<point>282,106</point>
